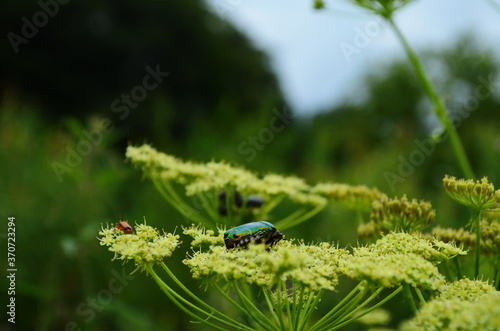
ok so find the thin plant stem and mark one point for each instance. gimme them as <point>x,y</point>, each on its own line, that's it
<point>279,291</point>
<point>198,300</point>
<point>439,107</point>
<point>420,295</point>
<point>289,222</point>
<point>282,223</point>
<point>359,218</point>
<point>183,206</point>
<point>270,304</point>
<point>457,266</point>
<point>409,297</point>
<point>369,310</point>
<point>346,309</point>
<point>476,221</point>
<point>255,313</point>
<point>228,298</point>
<point>359,306</point>
<point>496,277</point>
<point>287,305</point>
<point>358,289</point>
<point>444,268</point>
<point>270,205</point>
<point>310,306</point>
<point>182,303</point>
<point>209,207</point>
<point>297,305</point>
<point>178,204</point>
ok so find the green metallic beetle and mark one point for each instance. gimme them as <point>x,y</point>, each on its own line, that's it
<point>258,232</point>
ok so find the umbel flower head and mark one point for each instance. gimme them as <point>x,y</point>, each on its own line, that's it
<point>202,237</point>
<point>200,178</point>
<point>462,305</point>
<point>315,267</point>
<point>401,258</point>
<point>401,214</point>
<point>146,245</point>
<point>480,195</point>
<point>355,198</point>
<point>490,237</point>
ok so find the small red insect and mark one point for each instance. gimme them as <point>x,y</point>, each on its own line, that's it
<point>124,226</point>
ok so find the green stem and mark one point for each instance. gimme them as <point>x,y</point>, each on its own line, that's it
<point>476,220</point>
<point>270,205</point>
<point>340,306</point>
<point>409,297</point>
<point>254,313</point>
<point>369,310</point>
<point>457,266</point>
<point>445,270</point>
<point>209,207</point>
<point>288,223</point>
<point>228,298</point>
<point>439,108</point>
<point>279,292</point>
<point>270,304</point>
<point>287,305</point>
<point>496,277</point>
<point>359,218</point>
<point>307,310</point>
<point>175,201</point>
<point>297,306</point>
<point>420,296</point>
<point>358,307</point>
<point>183,304</point>
<point>281,223</point>
<point>198,300</point>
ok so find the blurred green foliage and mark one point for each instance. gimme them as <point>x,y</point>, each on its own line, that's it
<point>219,96</point>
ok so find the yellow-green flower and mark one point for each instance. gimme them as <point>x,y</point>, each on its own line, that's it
<point>402,214</point>
<point>462,305</point>
<point>199,178</point>
<point>355,198</point>
<point>490,237</point>
<point>401,258</point>
<point>313,266</point>
<point>204,237</point>
<point>146,245</point>
<point>480,195</point>
<point>394,269</point>
<point>465,289</point>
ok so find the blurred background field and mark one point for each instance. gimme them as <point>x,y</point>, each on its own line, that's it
<point>218,99</point>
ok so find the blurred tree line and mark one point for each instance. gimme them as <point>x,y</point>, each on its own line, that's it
<point>220,100</point>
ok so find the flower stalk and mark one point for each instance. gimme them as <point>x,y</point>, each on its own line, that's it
<point>475,221</point>
<point>439,107</point>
